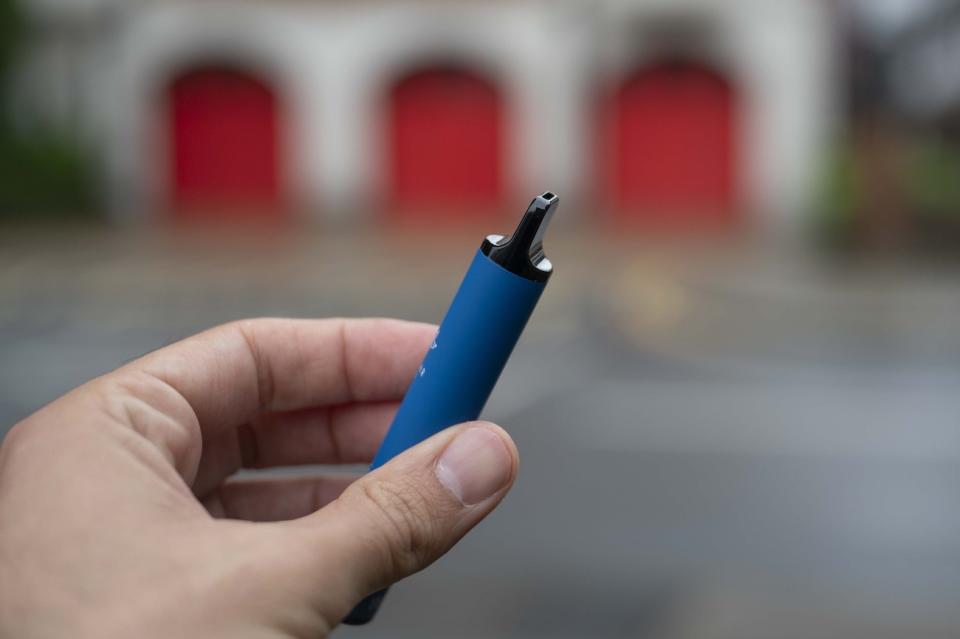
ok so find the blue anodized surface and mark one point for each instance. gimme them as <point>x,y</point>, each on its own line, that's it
<point>462,366</point>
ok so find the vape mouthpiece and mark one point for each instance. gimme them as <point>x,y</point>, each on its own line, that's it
<point>522,253</point>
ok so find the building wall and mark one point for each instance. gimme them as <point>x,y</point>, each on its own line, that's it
<point>332,65</point>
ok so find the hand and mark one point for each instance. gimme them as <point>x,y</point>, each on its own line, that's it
<point>119,516</point>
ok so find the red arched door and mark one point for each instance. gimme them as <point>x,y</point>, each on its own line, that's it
<point>669,147</point>
<point>445,144</point>
<point>224,145</point>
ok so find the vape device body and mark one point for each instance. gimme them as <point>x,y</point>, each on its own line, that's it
<point>474,342</point>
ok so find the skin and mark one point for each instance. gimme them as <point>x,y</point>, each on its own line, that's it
<point>120,515</point>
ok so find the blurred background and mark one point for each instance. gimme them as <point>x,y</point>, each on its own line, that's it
<point>739,402</point>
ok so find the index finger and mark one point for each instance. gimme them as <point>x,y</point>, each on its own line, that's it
<point>231,373</point>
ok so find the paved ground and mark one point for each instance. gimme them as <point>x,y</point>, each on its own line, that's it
<point>718,441</point>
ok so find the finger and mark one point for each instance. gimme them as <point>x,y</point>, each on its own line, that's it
<point>403,516</point>
<point>347,434</point>
<point>275,498</point>
<point>228,375</point>
<point>338,435</point>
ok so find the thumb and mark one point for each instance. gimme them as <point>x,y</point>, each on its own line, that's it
<point>403,516</point>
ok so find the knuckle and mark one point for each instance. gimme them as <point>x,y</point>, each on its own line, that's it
<point>153,409</point>
<point>412,528</point>
<point>266,388</point>
<point>15,439</point>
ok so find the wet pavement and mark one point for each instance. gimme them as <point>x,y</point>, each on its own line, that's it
<point>718,440</point>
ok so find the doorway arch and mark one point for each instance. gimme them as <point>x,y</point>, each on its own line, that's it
<point>224,144</point>
<point>669,146</point>
<point>445,143</point>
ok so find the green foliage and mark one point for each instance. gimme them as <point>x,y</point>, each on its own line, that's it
<point>930,175</point>
<point>44,176</point>
<point>933,180</point>
<point>838,198</point>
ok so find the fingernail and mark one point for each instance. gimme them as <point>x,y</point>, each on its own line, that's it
<point>474,466</point>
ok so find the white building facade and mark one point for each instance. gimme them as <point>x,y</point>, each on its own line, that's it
<point>104,68</point>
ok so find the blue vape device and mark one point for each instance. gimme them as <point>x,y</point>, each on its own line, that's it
<point>474,342</point>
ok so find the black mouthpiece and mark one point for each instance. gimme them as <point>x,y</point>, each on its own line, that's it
<point>522,252</point>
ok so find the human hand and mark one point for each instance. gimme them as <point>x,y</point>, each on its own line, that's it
<point>119,516</point>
